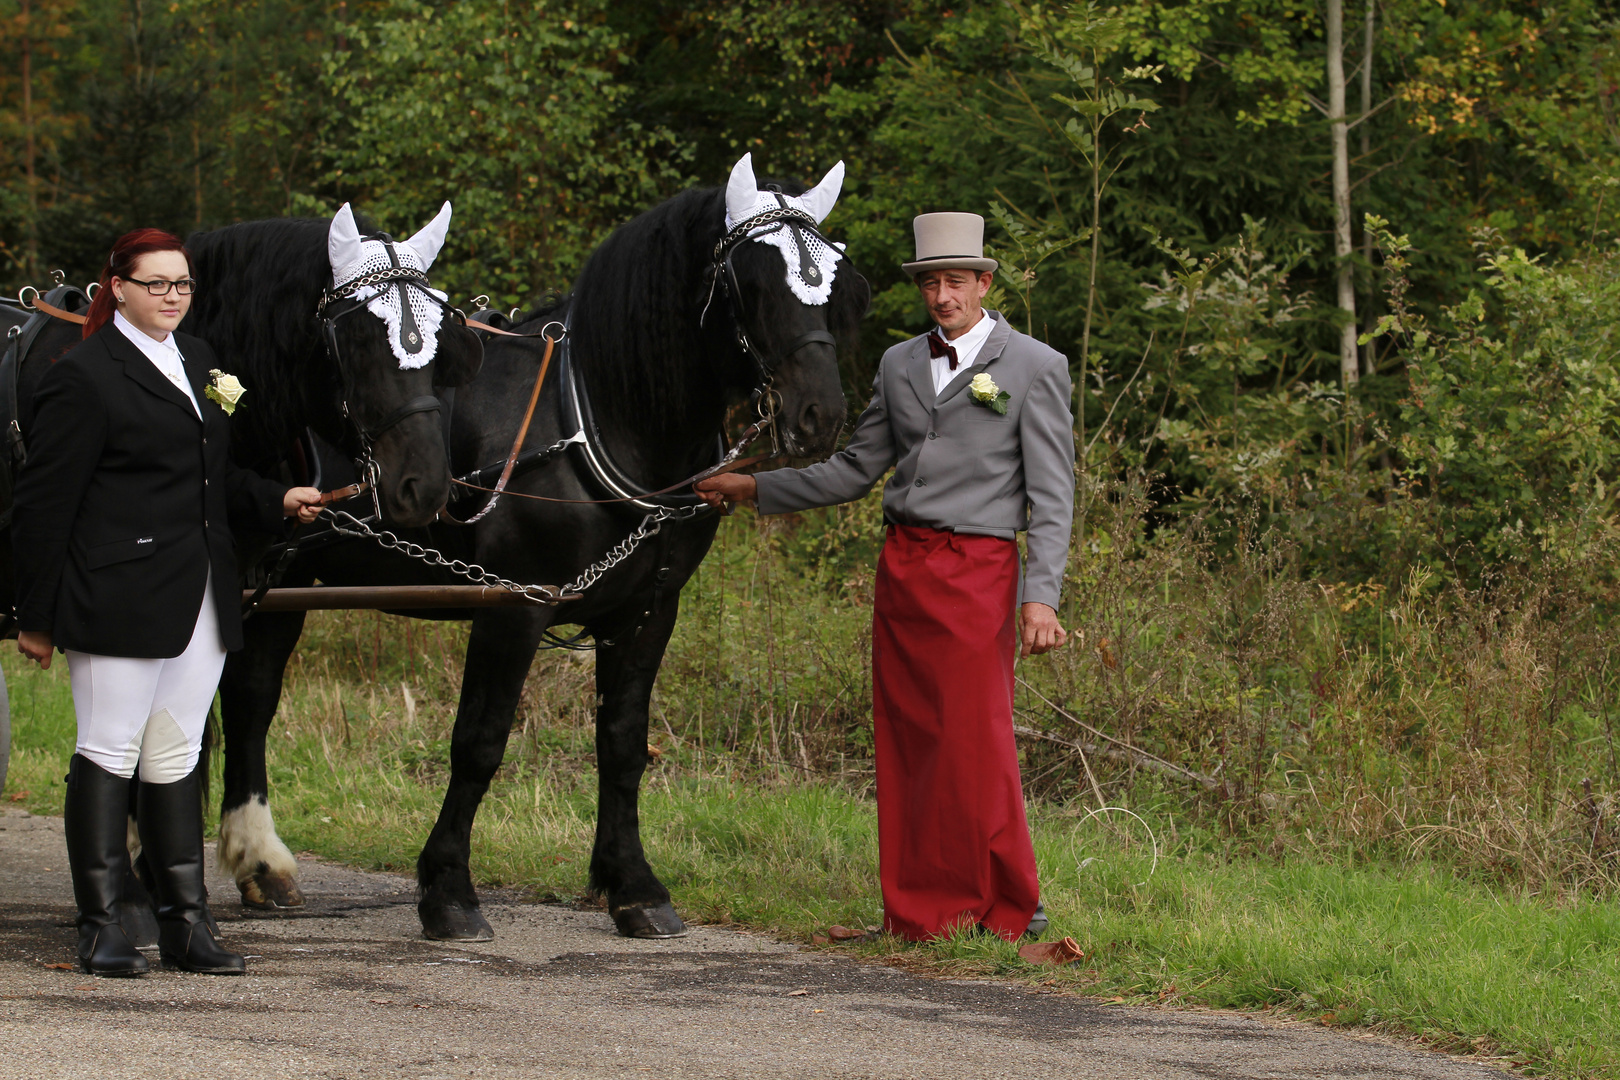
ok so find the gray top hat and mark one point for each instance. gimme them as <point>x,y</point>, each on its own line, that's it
<point>949,242</point>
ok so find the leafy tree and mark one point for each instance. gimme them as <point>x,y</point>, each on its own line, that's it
<point>1512,419</point>
<point>516,120</point>
<point>31,125</point>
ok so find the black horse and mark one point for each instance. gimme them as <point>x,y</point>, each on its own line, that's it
<point>663,333</point>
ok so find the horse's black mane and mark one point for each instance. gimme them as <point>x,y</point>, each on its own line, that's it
<point>258,284</point>
<point>635,311</point>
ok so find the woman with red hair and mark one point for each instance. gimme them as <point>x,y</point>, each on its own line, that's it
<point>125,562</point>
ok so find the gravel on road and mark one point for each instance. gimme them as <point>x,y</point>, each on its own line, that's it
<point>347,988</point>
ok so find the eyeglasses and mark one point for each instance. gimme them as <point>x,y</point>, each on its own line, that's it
<point>185,286</point>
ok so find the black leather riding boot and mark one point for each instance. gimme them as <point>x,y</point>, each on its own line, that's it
<point>94,820</point>
<point>170,820</point>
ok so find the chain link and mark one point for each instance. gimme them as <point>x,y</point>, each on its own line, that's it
<point>542,594</point>
<point>759,221</point>
<point>375,277</point>
<point>355,527</point>
<point>621,551</point>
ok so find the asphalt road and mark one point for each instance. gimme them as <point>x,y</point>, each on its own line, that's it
<point>349,989</point>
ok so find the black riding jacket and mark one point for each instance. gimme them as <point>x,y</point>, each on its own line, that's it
<point>126,503</point>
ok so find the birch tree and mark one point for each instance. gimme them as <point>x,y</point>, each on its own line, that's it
<point>1349,357</point>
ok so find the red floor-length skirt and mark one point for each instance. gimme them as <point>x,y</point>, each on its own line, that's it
<point>953,843</point>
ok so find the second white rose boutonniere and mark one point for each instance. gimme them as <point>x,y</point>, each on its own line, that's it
<point>983,389</point>
<point>225,390</point>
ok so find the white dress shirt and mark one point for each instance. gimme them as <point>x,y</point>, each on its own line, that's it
<point>165,356</point>
<point>967,350</point>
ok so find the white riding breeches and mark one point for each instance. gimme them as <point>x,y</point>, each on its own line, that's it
<point>136,712</point>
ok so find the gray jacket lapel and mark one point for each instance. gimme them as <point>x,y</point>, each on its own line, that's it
<point>992,350</point>
<point>920,369</point>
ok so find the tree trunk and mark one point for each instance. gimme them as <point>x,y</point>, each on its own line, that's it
<point>1369,360</point>
<point>1349,360</point>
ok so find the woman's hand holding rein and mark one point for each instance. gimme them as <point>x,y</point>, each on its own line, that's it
<point>304,503</point>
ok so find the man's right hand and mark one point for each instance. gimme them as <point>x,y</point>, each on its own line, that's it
<point>36,645</point>
<point>726,488</point>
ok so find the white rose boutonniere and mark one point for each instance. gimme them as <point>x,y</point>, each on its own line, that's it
<point>225,390</point>
<point>983,389</point>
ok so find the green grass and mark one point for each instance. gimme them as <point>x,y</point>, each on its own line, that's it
<point>1412,949</point>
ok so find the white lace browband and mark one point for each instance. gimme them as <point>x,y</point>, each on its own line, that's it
<point>746,203</point>
<point>413,346</point>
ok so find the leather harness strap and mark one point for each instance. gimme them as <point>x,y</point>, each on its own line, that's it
<point>523,428</point>
<point>55,312</point>
<point>473,324</point>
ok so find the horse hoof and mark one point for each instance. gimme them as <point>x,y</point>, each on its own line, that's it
<point>269,892</point>
<point>649,922</point>
<point>454,922</point>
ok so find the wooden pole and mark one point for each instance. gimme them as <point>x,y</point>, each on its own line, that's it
<point>391,598</point>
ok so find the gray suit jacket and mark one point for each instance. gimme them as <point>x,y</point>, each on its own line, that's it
<point>959,465</point>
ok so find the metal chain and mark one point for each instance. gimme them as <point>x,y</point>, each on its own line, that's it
<point>759,221</point>
<point>544,594</point>
<point>618,553</point>
<point>375,277</point>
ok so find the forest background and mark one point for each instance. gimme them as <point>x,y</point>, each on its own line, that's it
<point>1338,283</point>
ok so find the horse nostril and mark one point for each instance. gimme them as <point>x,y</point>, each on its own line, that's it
<point>810,419</point>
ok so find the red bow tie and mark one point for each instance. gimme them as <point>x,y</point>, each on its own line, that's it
<point>937,348</point>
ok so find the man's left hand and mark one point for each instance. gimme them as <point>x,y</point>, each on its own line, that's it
<point>1038,630</point>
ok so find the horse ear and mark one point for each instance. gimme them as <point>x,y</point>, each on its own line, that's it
<point>430,240</point>
<point>819,199</point>
<point>343,242</point>
<point>742,190</point>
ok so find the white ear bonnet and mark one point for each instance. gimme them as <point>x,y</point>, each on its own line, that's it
<point>414,340</point>
<point>744,200</point>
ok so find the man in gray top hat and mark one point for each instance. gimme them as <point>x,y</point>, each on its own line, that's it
<point>974,419</point>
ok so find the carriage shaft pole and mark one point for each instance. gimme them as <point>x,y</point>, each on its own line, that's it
<point>388,598</point>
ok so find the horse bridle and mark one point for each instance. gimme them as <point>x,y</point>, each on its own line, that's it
<point>402,278</point>
<point>723,279</point>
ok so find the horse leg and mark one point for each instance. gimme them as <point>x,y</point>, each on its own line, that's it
<point>499,653</point>
<point>249,849</point>
<point>625,672</point>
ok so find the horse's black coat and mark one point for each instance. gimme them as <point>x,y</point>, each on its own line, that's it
<point>660,378</point>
